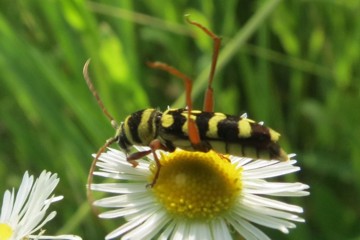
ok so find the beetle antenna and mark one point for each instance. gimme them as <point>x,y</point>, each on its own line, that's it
<point>96,95</point>
<point>92,169</point>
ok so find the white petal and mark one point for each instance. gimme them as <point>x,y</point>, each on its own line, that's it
<point>150,227</point>
<point>121,188</point>
<point>220,230</point>
<point>180,231</point>
<point>60,237</point>
<point>255,200</point>
<point>126,200</point>
<point>133,222</point>
<point>168,230</point>
<point>246,229</point>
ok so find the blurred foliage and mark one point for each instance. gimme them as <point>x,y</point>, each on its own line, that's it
<point>293,64</point>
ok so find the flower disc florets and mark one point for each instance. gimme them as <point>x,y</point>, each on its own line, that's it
<point>197,185</point>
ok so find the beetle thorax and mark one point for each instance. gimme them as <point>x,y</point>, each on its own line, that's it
<point>139,128</point>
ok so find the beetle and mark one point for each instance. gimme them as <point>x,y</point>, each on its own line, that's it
<point>189,129</point>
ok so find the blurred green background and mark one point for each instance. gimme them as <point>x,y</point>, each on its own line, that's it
<point>293,64</point>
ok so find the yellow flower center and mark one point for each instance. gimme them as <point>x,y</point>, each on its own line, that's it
<point>5,231</point>
<point>197,185</point>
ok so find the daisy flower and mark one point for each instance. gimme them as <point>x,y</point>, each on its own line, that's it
<point>197,196</point>
<point>24,213</point>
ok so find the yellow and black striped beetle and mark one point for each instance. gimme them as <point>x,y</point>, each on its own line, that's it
<point>188,129</point>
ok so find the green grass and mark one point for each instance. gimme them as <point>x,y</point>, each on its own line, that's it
<point>293,64</point>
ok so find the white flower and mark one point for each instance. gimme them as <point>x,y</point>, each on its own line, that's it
<point>197,196</point>
<point>25,213</point>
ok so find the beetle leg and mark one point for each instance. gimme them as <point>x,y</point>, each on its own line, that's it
<point>193,130</point>
<point>209,98</point>
<point>156,145</point>
<point>135,156</point>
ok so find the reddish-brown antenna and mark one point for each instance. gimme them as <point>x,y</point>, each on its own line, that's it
<point>108,142</point>
<point>96,95</point>
<point>92,169</point>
